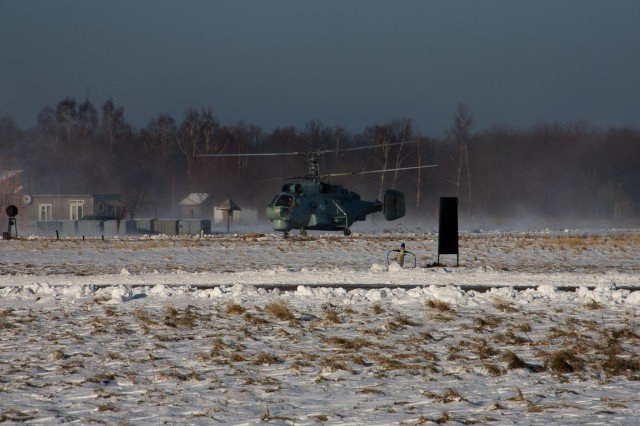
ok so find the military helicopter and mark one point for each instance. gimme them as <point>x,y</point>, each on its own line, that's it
<point>311,202</point>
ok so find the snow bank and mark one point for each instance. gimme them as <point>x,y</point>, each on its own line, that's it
<point>608,295</point>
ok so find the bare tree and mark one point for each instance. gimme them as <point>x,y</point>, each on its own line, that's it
<point>87,119</point>
<point>419,172</point>
<point>66,116</point>
<point>114,125</point>
<point>132,202</point>
<point>406,129</point>
<point>460,133</point>
<point>159,135</point>
<point>196,134</point>
<point>381,136</point>
<point>48,129</point>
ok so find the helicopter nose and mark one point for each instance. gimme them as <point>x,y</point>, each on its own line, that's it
<point>276,213</point>
<point>279,218</point>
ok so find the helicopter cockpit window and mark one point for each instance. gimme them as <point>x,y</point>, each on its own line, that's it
<point>284,201</point>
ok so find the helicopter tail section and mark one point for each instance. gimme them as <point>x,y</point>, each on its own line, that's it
<point>393,206</point>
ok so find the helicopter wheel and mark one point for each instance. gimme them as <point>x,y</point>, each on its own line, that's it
<point>286,234</point>
<point>303,232</point>
<point>347,232</point>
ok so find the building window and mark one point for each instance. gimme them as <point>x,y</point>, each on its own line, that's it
<point>45,212</point>
<point>76,209</point>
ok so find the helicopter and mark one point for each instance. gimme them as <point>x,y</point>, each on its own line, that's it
<point>311,202</point>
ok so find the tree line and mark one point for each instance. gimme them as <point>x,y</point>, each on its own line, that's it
<point>553,172</point>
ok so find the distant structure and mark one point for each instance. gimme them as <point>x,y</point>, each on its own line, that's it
<point>227,208</point>
<point>197,205</point>
<point>71,207</point>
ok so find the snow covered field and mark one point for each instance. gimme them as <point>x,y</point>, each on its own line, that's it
<point>117,331</point>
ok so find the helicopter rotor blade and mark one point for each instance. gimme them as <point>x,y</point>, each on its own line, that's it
<point>317,152</point>
<point>253,154</point>
<point>358,148</point>
<point>284,178</point>
<point>380,171</point>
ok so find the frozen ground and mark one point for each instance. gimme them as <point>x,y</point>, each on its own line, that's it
<point>535,252</point>
<point>154,348</point>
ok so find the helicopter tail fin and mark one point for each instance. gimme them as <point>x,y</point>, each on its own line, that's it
<point>393,206</point>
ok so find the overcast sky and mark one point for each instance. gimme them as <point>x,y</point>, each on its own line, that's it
<point>350,63</point>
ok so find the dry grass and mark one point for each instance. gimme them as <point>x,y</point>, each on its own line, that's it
<point>518,397</point>
<point>174,374</point>
<point>444,418</point>
<point>114,356</point>
<point>358,360</point>
<point>15,415</point>
<point>174,318</point>
<point>101,378</point>
<point>143,317</point>
<point>618,366</point>
<point>504,306</point>
<point>556,332</point>
<point>438,305</point>
<point>593,305</point>
<point>482,349</point>
<point>563,362</point>
<point>389,363</point>
<point>510,338</point>
<point>109,406</point>
<point>254,320</point>
<point>350,344</point>
<point>110,311</point>
<point>58,355</point>
<point>234,309</point>
<point>6,325</point>
<point>493,370</point>
<point>524,327</point>
<point>280,311</point>
<point>584,242</point>
<point>448,396</point>
<point>264,358</point>
<point>370,391</point>
<point>402,320</point>
<point>377,308</point>
<point>488,321</point>
<point>331,315</point>
<point>623,333</point>
<point>333,364</point>
<point>513,361</point>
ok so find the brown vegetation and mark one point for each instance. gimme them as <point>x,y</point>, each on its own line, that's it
<point>280,310</point>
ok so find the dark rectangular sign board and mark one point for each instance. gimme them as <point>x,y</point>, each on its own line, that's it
<point>448,230</point>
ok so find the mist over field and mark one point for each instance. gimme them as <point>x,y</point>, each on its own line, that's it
<point>547,175</point>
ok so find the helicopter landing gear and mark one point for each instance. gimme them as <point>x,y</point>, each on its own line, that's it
<point>303,232</point>
<point>286,235</point>
<point>347,232</point>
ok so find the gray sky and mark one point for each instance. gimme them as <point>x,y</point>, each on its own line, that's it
<point>352,63</point>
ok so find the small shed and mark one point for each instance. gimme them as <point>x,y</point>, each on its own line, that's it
<point>197,205</point>
<point>226,208</point>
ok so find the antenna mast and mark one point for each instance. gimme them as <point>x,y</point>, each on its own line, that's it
<point>314,168</point>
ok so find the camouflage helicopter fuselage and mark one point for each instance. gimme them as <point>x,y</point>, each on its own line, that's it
<point>315,205</point>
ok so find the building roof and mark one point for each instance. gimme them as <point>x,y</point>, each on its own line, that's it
<point>194,199</point>
<point>228,205</point>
